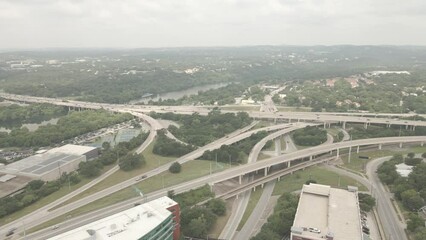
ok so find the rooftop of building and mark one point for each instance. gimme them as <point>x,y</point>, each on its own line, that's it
<point>327,210</point>
<point>40,164</point>
<point>132,223</point>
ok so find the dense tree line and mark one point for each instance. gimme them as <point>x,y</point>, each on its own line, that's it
<point>38,189</point>
<point>279,223</point>
<point>15,115</point>
<point>358,131</point>
<point>69,126</point>
<point>197,221</point>
<point>164,146</point>
<point>34,191</point>
<point>411,191</point>
<point>237,152</point>
<point>309,136</point>
<point>199,130</point>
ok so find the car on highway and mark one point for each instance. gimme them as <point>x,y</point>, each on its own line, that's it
<point>54,227</point>
<point>11,232</point>
<point>141,177</point>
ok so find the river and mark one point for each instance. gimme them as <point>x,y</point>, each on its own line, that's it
<point>32,126</point>
<point>178,94</point>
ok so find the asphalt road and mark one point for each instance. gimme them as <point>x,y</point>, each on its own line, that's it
<point>394,229</point>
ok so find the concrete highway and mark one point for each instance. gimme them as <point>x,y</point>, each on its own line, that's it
<point>394,229</point>
<point>34,218</point>
<point>253,222</point>
<point>385,211</point>
<point>290,116</point>
<point>237,171</point>
<point>240,204</point>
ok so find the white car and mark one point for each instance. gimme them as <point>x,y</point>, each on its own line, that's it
<point>314,230</point>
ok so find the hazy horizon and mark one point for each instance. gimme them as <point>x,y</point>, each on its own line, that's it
<point>129,24</point>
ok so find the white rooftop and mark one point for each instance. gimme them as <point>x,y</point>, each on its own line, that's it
<point>129,224</point>
<point>403,169</point>
<point>72,149</point>
<point>330,210</point>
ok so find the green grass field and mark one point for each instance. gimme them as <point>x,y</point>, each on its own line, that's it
<point>46,200</point>
<point>358,164</point>
<point>152,161</point>
<point>254,198</point>
<point>190,170</point>
<point>295,181</point>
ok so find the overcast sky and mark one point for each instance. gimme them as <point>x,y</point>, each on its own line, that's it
<point>175,23</point>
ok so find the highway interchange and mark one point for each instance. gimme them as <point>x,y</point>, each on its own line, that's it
<point>43,214</point>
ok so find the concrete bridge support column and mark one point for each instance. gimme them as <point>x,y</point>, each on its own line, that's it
<point>278,146</point>
<point>406,127</point>
<point>325,124</point>
<point>310,158</point>
<point>400,145</point>
<point>380,146</point>
<point>344,125</point>
<point>266,171</point>
<point>288,164</point>
<point>414,128</point>
<point>298,120</point>
<point>365,125</point>
<point>357,149</point>
<point>289,120</point>
<point>240,179</point>
<point>338,151</point>
<point>422,143</point>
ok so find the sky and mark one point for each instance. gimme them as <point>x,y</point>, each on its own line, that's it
<point>185,23</point>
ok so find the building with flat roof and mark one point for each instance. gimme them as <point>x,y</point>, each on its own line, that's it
<point>158,219</point>
<point>51,164</point>
<point>327,213</point>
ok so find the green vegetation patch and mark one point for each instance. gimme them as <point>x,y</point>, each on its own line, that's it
<point>295,181</point>
<point>309,136</point>
<point>69,126</point>
<point>16,115</point>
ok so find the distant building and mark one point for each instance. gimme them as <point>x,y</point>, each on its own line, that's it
<point>403,169</point>
<point>327,213</point>
<point>158,219</point>
<point>51,164</point>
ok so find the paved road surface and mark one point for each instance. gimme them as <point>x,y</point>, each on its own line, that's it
<point>394,229</point>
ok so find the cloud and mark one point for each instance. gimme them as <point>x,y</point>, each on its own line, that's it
<point>167,23</point>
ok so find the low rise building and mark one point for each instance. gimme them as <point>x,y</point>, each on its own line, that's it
<point>327,213</point>
<point>158,219</point>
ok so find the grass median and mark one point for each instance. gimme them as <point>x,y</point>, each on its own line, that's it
<point>64,190</point>
<point>152,161</point>
<point>190,170</point>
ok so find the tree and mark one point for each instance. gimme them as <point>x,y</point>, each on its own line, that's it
<point>420,235</point>
<point>197,227</point>
<point>366,202</point>
<point>412,200</point>
<point>411,155</point>
<point>106,146</point>
<point>35,184</point>
<point>415,222</point>
<point>175,167</point>
<point>131,161</point>
<point>171,193</point>
<point>424,155</point>
<point>89,169</point>
<point>310,181</point>
<point>218,206</point>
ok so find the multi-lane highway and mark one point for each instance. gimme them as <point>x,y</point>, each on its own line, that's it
<point>290,116</point>
<point>35,219</point>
